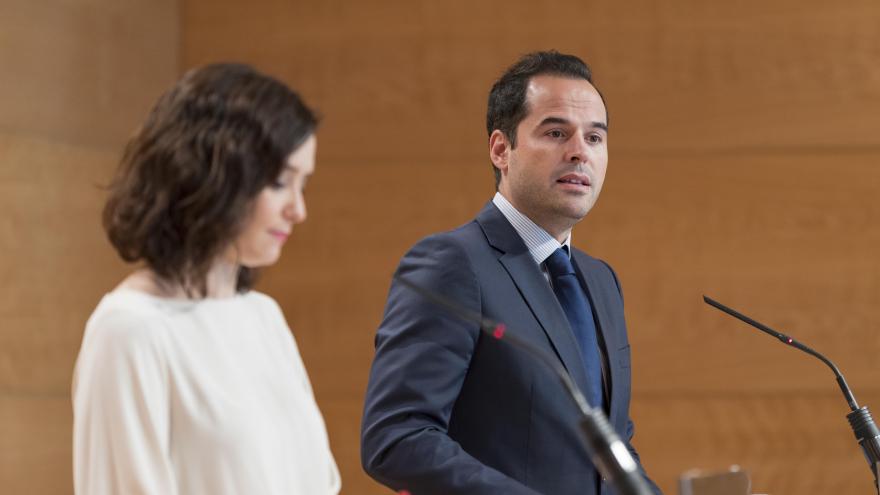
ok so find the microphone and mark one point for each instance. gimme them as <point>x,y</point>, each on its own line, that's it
<point>860,419</point>
<point>607,451</point>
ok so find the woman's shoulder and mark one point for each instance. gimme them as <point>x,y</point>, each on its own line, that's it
<point>125,315</point>
<point>271,313</point>
<point>264,302</point>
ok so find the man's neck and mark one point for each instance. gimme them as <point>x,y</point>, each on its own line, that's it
<point>561,233</point>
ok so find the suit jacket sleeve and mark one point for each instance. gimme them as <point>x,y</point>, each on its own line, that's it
<point>422,357</point>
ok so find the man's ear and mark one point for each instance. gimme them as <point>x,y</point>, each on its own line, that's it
<point>499,150</point>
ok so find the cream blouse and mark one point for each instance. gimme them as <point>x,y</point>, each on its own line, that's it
<point>206,397</point>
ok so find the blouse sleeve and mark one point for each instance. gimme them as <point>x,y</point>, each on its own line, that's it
<point>288,341</point>
<point>121,409</point>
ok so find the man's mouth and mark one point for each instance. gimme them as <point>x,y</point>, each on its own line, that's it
<point>576,179</point>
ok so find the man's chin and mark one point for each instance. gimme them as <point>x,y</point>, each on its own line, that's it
<point>574,213</point>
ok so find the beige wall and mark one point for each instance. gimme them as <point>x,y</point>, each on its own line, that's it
<point>78,76</point>
<point>744,165</point>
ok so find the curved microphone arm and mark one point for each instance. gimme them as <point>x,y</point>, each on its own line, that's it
<point>785,339</point>
<point>860,419</point>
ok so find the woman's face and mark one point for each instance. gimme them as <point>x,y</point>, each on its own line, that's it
<point>277,208</point>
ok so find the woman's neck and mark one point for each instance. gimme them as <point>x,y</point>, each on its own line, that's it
<point>220,282</point>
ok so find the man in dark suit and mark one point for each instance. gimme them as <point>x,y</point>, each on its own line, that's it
<point>450,411</point>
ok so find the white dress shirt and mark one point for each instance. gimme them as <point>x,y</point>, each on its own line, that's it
<point>540,243</point>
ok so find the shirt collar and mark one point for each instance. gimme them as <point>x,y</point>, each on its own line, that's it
<point>540,244</point>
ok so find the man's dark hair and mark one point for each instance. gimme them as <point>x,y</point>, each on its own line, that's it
<point>189,176</point>
<point>507,99</point>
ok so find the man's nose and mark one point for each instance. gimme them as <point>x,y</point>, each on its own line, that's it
<point>577,151</point>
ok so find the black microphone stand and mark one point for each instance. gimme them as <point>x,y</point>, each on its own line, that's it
<point>860,419</point>
<point>607,451</point>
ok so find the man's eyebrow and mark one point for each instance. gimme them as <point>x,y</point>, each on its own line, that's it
<point>562,121</point>
<point>553,120</point>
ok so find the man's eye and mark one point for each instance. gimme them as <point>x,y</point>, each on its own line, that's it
<point>556,133</point>
<point>594,138</point>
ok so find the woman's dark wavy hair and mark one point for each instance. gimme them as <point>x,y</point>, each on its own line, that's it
<point>188,177</point>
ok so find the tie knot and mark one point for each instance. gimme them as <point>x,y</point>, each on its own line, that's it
<point>559,264</point>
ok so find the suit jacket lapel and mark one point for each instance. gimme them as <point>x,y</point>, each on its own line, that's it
<point>535,290</point>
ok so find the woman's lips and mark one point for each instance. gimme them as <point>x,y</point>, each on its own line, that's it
<point>279,234</point>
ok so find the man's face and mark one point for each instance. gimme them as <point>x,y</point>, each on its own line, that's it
<point>555,173</point>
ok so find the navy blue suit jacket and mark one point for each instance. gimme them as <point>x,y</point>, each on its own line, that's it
<point>450,411</point>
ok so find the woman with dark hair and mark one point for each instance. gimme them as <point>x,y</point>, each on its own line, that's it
<point>187,380</point>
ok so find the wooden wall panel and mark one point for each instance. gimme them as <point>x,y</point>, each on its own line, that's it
<point>35,452</point>
<point>76,71</point>
<point>55,254</point>
<point>78,77</point>
<point>692,75</point>
<point>790,239</point>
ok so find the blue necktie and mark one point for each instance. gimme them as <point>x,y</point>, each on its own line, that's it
<point>576,304</point>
